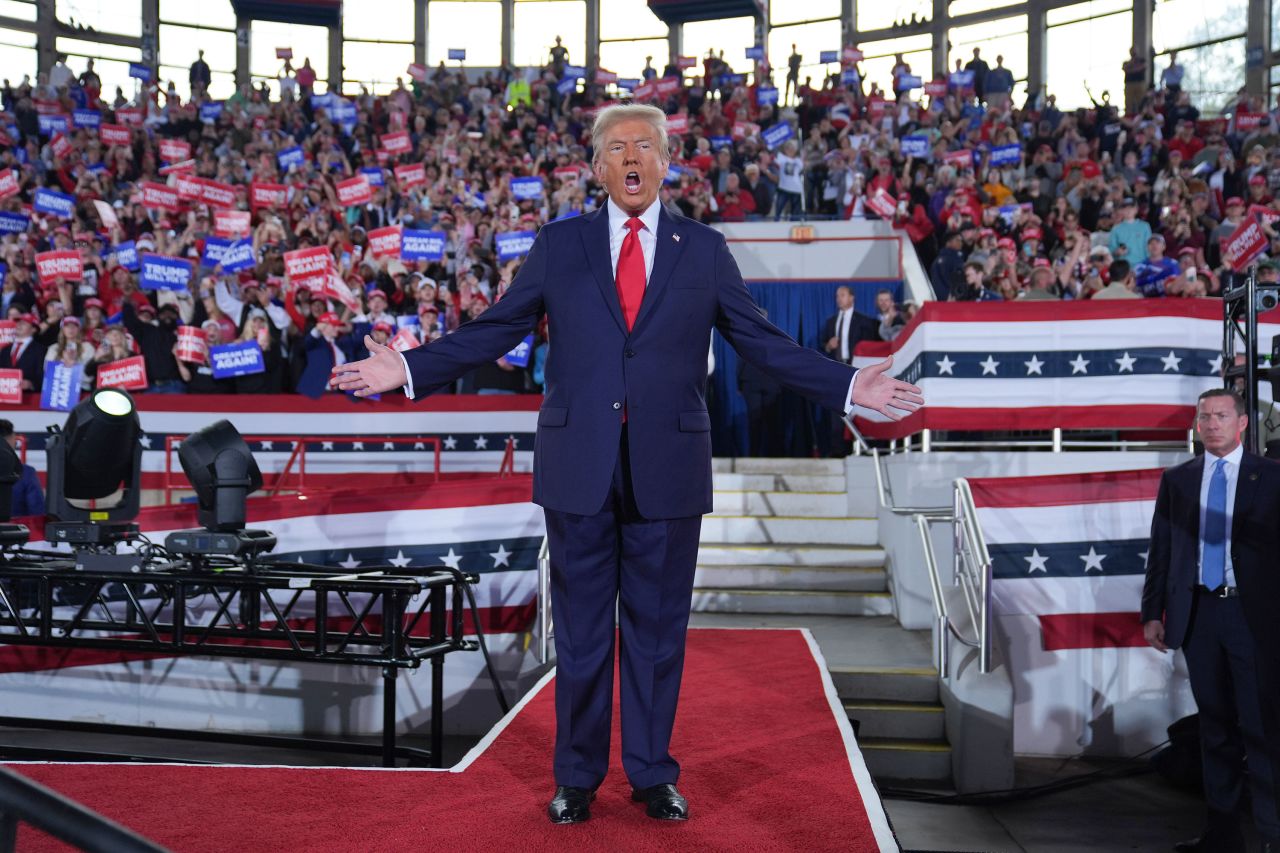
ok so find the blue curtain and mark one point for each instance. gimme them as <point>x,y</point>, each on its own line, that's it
<point>798,308</point>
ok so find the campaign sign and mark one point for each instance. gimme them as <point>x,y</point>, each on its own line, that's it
<point>645,91</point>
<point>217,194</point>
<point>527,189</point>
<point>176,168</point>
<point>53,123</point>
<point>404,339</point>
<point>718,142</point>
<point>667,86</point>
<point>14,223</point>
<point>324,100</point>
<point>961,79</point>
<point>520,355</point>
<point>851,54</point>
<point>936,89</point>
<point>307,267</point>
<point>962,159</point>
<point>678,123</point>
<point>766,95</point>
<point>567,85</point>
<point>345,115</point>
<point>210,112</point>
<point>129,115</point>
<point>290,157</point>
<point>284,53</point>
<point>127,373</point>
<point>159,197</point>
<point>422,245</point>
<point>915,146</point>
<point>575,71</point>
<point>1006,155</point>
<point>10,386</point>
<point>267,195</point>
<point>396,143</point>
<point>850,77</point>
<point>140,71</point>
<point>1264,214</point>
<point>161,272</point>
<point>60,265</point>
<point>458,53</point>
<point>7,333</point>
<point>755,52</point>
<point>88,119</point>
<point>241,359</point>
<point>127,255</point>
<point>354,191</point>
<point>231,223</point>
<point>174,150</point>
<point>188,185</point>
<point>417,71</point>
<point>385,242</point>
<point>239,256</point>
<point>1248,122</point>
<point>411,175</point>
<point>778,134</point>
<point>882,203</point>
<point>60,145</point>
<point>54,203</point>
<point>908,81</point>
<point>373,175</point>
<point>61,389</point>
<point>115,134</point>
<point>1239,250</point>
<point>829,56</point>
<point>192,346</point>
<point>686,61</point>
<point>514,244</point>
<point>214,250</point>
<point>8,183</point>
<point>629,83</point>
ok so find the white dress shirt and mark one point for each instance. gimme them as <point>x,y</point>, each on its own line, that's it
<point>1232,470</point>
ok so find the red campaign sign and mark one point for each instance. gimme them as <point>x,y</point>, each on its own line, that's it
<point>742,129</point>
<point>127,373</point>
<point>354,191</point>
<point>192,345</point>
<point>231,223</point>
<point>410,176</point>
<point>417,72</point>
<point>176,168</point>
<point>188,186</point>
<point>61,265</point>
<point>667,86</point>
<point>382,156</point>
<point>962,159</point>
<point>645,91</point>
<point>334,287</point>
<point>1244,244</point>
<point>875,107</point>
<point>284,53</point>
<point>882,203</point>
<point>397,143</point>
<point>686,61</point>
<point>174,150</point>
<point>308,267</point>
<point>570,172</point>
<point>131,115</point>
<point>7,333</point>
<point>46,108</point>
<point>1248,122</point>
<point>1209,126</point>
<point>115,134</point>
<point>1265,215</point>
<point>8,183</point>
<point>60,145</point>
<point>10,386</point>
<point>678,123</point>
<point>216,194</point>
<point>385,242</point>
<point>936,88</point>
<point>604,76</point>
<point>404,340</point>
<point>158,196</point>
<point>259,122</point>
<point>851,55</point>
<point>267,195</point>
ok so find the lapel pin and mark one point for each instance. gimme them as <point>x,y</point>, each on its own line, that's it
<point>1253,476</point>
<point>675,237</point>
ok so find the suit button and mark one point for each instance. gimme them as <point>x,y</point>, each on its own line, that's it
<point>631,353</point>
<point>617,405</point>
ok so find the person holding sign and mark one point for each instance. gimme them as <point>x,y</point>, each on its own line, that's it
<point>622,465</point>
<point>71,348</point>
<point>198,375</point>
<point>326,348</point>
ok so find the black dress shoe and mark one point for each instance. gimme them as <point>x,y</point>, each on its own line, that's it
<point>662,802</point>
<point>570,805</point>
<point>1213,842</point>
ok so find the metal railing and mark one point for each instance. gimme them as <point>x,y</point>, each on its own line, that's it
<point>1054,440</point>
<point>24,801</point>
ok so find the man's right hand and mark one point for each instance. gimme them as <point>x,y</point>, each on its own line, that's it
<point>1153,631</point>
<point>382,371</point>
<point>833,344</point>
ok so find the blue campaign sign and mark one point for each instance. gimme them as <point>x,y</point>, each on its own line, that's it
<point>140,71</point>
<point>766,95</point>
<point>909,81</point>
<point>342,111</point>
<point>718,142</point>
<point>732,79</point>
<point>214,250</point>
<point>421,245</point>
<point>290,157</point>
<point>54,203</point>
<point>962,79</point>
<point>325,100</point>
<point>239,256</point>
<point>567,86</point>
<point>778,134</point>
<point>61,389</point>
<point>850,77</point>
<point>373,174</point>
<point>527,188</point>
<point>211,112</point>
<point>458,53</point>
<point>127,255</point>
<point>161,272</point>
<point>674,172</point>
<point>1006,155</point>
<point>240,359</point>
<point>89,119</point>
<point>575,71</point>
<point>915,146</point>
<point>520,355</point>
<point>4,272</point>
<point>629,83</point>
<point>14,223</point>
<point>51,124</point>
<point>97,168</point>
<point>514,244</point>
<point>829,56</point>
<point>755,52</point>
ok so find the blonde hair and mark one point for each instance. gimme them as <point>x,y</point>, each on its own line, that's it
<point>610,116</point>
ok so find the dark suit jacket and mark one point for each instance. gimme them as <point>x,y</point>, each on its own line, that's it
<point>31,362</point>
<point>1173,561</point>
<point>864,328</point>
<point>314,380</point>
<point>659,369</point>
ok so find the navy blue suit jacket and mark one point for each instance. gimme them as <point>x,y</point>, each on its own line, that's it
<point>1174,559</point>
<point>658,370</point>
<point>314,380</point>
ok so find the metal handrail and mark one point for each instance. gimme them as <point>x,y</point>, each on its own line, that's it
<point>23,800</point>
<point>973,568</point>
<point>545,625</point>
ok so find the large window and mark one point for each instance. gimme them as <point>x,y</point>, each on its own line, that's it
<point>969,7</point>
<point>1214,68</point>
<point>307,43</point>
<point>473,25</point>
<point>105,16</point>
<point>539,22</point>
<point>879,57</point>
<point>1177,23</point>
<point>110,63</point>
<point>23,10</point>
<point>17,55</point>
<point>887,13</point>
<point>731,36</point>
<point>1213,73</point>
<point>1086,45</point>
<point>629,19</point>
<point>199,13</point>
<point>627,57</point>
<point>797,12</point>
<point>179,46</point>
<point>810,40</point>
<point>1006,37</point>
<point>377,49</point>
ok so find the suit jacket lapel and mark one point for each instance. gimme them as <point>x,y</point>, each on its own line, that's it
<point>1246,485</point>
<point>595,240</point>
<point>667,252</point>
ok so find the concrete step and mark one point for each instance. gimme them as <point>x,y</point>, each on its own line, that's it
<point>722,554</point>
<point>778,482</point>
<point>811,578</point>
<point>897,720</point>
<point>792,601</point>
<point>907,760</point>
<point>811,504</point>
<point>751,530</point>
<point>750,465</point>
<point>863,682</point>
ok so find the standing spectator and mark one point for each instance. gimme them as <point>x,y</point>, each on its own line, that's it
<point>559,59</point>
<point>1130,234</point>
<point>326,348</point>
<point>156,334</point>
<point>306,78</point>
<point>28,497</point>
<point>60,76</point>
<point>1157,275</point>
<point>71,348</point>
<point>793,73</point>
<point>946,273</point>
<point>890,316</point>
<point>790,177</point>
<point>198,376</point>
<point>199,76</point>
<point>979,67</point>
<point>1135,81</point>
<point>25,353</point>
<point>999,85</point>
<point>1171,77</point>
<point>844,329</point>
<point>761,187</point>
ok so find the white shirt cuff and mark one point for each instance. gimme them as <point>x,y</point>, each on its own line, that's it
<point>408,377</point>
<point>848,400</point>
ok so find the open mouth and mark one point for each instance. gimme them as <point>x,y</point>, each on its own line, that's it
<point>632,182</point>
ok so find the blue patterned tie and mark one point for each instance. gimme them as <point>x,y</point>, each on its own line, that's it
<point>1214,564</point>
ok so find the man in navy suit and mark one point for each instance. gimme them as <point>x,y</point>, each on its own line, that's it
<point>325,350</point>
<point>622,456</point>
<point>25,353</point>
<point>1213,589</point>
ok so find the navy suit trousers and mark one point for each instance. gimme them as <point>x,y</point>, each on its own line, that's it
<point>617,559</point>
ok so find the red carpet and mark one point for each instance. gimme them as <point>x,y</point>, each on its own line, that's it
<point>764,765</point>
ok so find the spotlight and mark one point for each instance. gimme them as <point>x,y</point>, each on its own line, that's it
<point>94,471</point>
<point>223,473</point>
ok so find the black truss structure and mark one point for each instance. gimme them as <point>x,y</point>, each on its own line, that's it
<point>1240,337</point>
<point>381,616</point>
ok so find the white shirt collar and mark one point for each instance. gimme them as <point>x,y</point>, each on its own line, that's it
<point>1233,458</point>
<point>618,217</point>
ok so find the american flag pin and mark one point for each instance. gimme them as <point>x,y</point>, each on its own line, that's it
<point>675,237</point>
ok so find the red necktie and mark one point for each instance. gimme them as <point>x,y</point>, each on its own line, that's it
<point>630,274</point>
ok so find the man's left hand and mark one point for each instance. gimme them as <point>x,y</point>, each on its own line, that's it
<point>894,399</point>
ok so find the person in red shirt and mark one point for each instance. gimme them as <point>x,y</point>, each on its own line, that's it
<point>306,76</point>
<point>735,204</point>
<point>1185,141</point>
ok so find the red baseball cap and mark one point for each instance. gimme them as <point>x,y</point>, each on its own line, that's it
<point>1031,234</point>
<point>329,317</point>
<point>1258,180</point>
<point>1006,243</point>
<point>93,302</point>
<point>1235,201</point>
<point>29,318</point>
<point>383,327</point>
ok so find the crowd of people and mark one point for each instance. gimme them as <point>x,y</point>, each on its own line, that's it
<point>1001,202</point>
